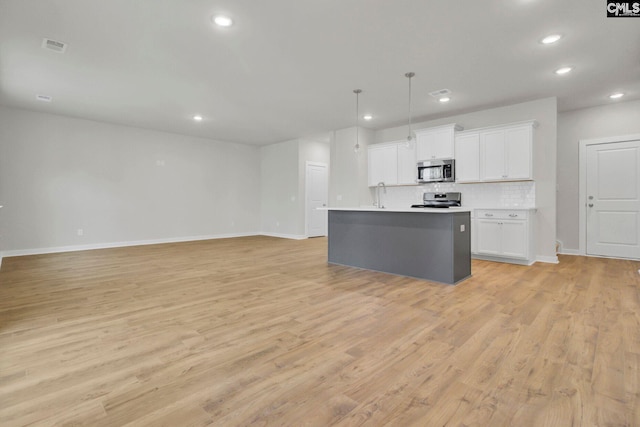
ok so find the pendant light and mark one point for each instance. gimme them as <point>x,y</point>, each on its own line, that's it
<point>356,147</point>
<point>409,137</point>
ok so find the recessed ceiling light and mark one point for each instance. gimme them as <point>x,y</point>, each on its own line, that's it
<point>367,117</point>
<point>197,118</point>
<point>563,70</point>
<point>551,39</point>
<point>616,95</point>
<point>444,99</point>
<point>223,21</point>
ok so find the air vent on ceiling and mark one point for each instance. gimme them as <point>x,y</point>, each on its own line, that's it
<point>54,45</point>
<point>440,93</point>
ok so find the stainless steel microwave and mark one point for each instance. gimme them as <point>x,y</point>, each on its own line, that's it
<point>436,171</point>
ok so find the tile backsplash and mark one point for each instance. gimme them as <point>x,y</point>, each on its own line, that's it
<point>482,195</point>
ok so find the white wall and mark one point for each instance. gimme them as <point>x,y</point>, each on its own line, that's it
<point>60,174</point>
<point>279,183</point>
<point>2,229</point>
<point>615,119</point>
<point>348,175</point>
<point>544,111</point>
<point>283,168</point>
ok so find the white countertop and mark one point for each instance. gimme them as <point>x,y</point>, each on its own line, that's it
<point>414,210</point>
<point>506,209</point>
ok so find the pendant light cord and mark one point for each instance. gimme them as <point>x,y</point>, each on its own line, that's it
<point>357,118</point>
<point>357,92</point>
<point>409,76</point>
<point>409,136</point>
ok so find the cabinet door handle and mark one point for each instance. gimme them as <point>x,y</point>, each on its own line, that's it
<point>488,214</point>
<point>513,215</point>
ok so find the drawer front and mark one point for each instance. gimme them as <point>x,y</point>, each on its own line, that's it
<point>501,214</point>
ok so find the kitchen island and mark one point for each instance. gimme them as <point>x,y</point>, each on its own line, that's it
<point>427,243</point>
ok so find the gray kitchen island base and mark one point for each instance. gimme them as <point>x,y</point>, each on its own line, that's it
<point>425,245</point>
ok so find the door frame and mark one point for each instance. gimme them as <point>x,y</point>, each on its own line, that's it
<point>582,193</point>
<point>307,210</point>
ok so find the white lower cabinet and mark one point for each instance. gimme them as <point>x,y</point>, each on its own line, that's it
<point>515,239</point>
<point>489,237</point>
<point>504,235</point>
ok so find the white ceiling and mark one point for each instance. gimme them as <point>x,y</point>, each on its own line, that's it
<point>287,68</point>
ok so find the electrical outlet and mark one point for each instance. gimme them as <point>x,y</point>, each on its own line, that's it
<point>80,232</point>
<point>462,228</point>
<point>339,197</point>
<point>159,162</point>
<point>277,223</point>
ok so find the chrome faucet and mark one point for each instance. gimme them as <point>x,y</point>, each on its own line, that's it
<point>379,196</point>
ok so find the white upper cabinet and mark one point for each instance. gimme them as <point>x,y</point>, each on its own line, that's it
<point>499,153</point>
<point>407,169</point>
<point>506,153</point>
<point>518,144</point>
<point>493,155</point>
<point>383,164</point>
<point>393,163</point>
<point>467,148</point>
<point>436,142</point>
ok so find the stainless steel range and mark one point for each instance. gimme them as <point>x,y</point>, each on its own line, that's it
<point>440,200</point>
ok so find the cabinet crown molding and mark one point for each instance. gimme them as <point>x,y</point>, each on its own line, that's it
<point>385,144</point>
<point>456,127</point>
<point>533,123</point>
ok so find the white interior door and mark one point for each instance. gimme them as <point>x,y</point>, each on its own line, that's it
<point>317,195</point>
<point>613,199</point>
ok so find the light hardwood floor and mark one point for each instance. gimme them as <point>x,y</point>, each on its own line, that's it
<point>262,331</point>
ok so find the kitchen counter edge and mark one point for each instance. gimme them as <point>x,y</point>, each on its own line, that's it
<point>404,210</point>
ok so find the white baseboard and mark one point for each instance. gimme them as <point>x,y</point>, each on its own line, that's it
<point>545,259</point>
<point>285,236</point>
<point>565,251</point>
<point>548,259</point>
<point>74,248</point>
<point>502,259</point>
